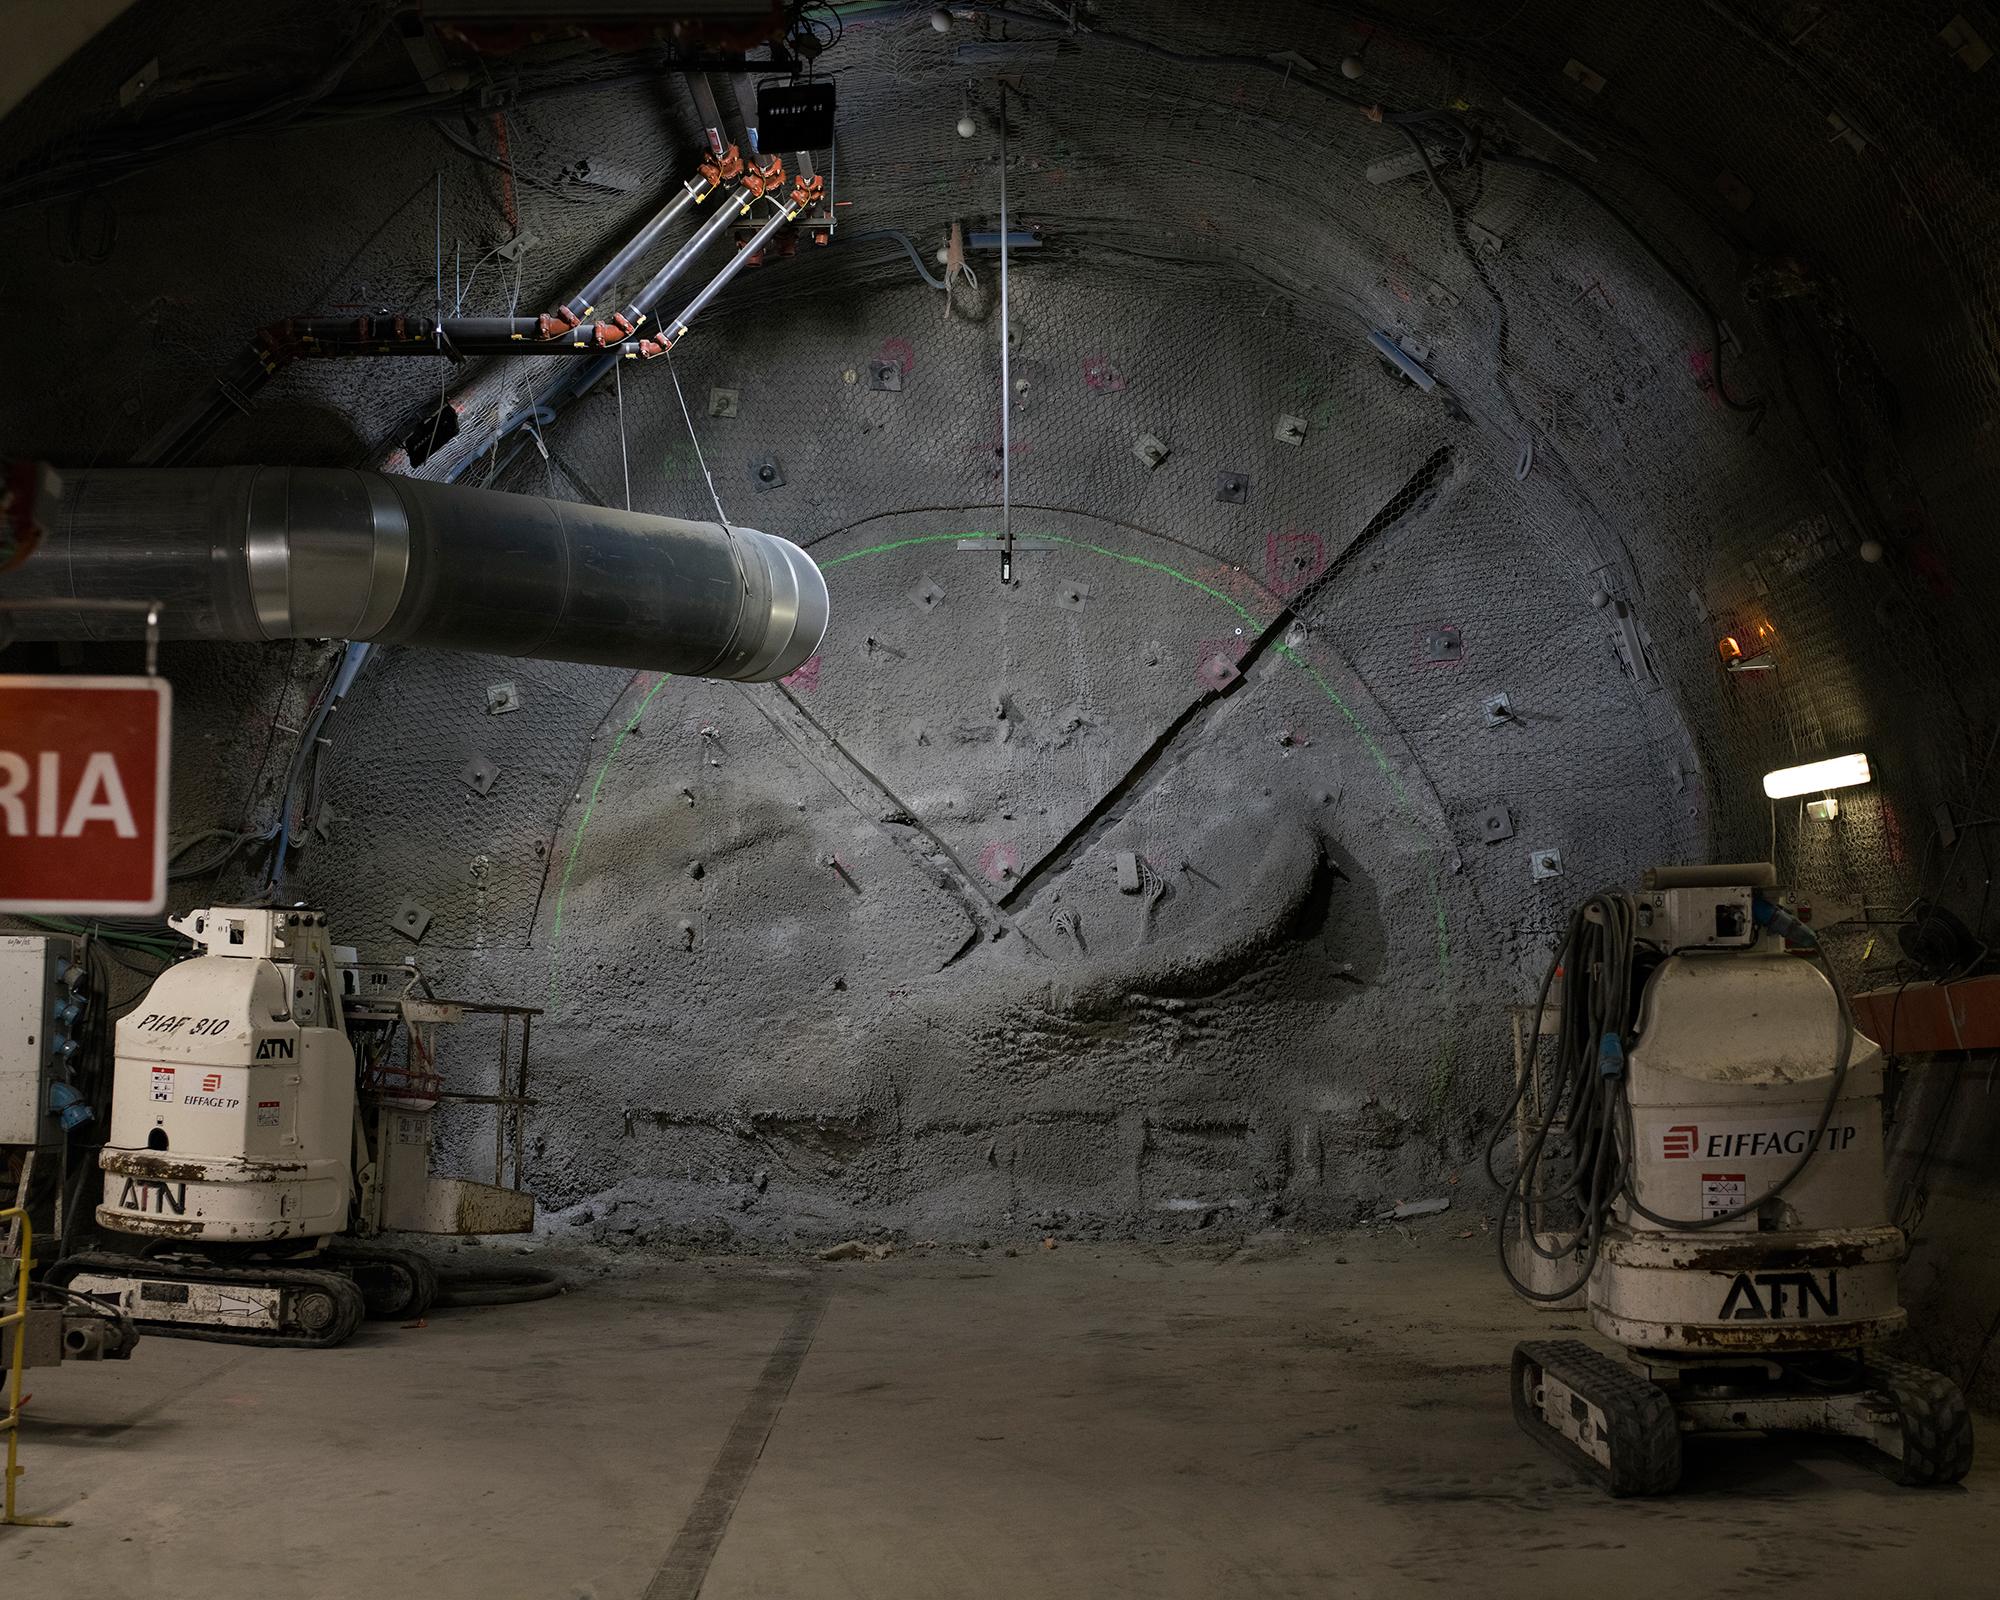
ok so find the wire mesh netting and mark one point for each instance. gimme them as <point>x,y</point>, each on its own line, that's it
<point>1595,492</point>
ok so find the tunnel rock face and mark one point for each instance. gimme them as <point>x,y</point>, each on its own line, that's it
<point>1400,556</point>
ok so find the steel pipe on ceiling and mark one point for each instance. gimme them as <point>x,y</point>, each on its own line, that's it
<point>261,553</point>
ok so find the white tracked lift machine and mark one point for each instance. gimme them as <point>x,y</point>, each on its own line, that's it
<point>243,1157</point>
<point>1701,1158</point>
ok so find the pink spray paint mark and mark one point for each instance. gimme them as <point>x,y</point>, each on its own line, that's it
<point>1000,861</point>
<point>900,351</point>
<point>1702,365</point>
<point>806,679</point>
<point>1101,376</point>
<point>1213,656</point>
<point>1292,560</point>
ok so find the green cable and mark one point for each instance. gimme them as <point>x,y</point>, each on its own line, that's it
<point>576,844</point>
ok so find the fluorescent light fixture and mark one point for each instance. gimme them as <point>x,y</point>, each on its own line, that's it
<point>1842,772</point>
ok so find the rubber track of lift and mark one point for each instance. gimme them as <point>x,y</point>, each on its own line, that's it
<point>418,1269</point>
<point>1645,1437</point>
<point>349,1306</point>
<point>1937,1427</point>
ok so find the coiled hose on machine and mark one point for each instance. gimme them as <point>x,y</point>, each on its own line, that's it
<point>1587,1095</point>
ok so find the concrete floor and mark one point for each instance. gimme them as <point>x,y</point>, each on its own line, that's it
<point>1263,1419</point>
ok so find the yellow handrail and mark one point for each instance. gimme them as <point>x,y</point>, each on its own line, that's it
<point>18,1320</point>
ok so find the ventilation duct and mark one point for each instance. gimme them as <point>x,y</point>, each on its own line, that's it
<point>311,552</point>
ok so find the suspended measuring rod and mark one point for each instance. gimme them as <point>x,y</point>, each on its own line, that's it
<point>1006,386</point>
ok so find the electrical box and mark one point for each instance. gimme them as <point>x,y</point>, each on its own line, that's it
<point>32,969</point>
<point>1697,919</point>
<point>795,116</point>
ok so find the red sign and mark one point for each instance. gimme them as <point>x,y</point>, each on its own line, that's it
<point>83,794</point>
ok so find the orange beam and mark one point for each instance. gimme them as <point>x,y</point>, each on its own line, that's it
<point>1916,1018</point>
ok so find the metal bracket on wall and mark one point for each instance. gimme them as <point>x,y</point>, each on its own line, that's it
<point>1545,864</point>
<point>1441,642</point>
<point>722,402</point>
<point>1578,73</point>
<point>765,473</point>
<point>1631,642</point>
<point>1963,40</point>
<point>480,775</point>
<point>139,85</point>
<point>1498,710</point>
<point>1846,134</point>
<point>925,594</point>
<point>502,698</point>
<point>1150,449</point>
<point>1072,596</point>
<point>886,377</point>
<point>1495,824</point>
<point>1219,672</point>
<point>1232,488</point>
<point>411,920</point>
<point>1290,429</point>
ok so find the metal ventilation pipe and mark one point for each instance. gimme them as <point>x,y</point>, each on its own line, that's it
<point>314,552</point>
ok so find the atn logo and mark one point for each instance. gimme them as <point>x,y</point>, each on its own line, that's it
<point>150,1194</point>
<point>1762,1297</point>
<point>1678,1143</point>
<point>210,1082</point>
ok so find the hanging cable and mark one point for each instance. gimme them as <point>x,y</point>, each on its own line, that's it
<point>1588,1098</point>
<point>1470,154</point>
<point>1006,385</point>
<point>721,516</point>
<point>624,456</point>
<point>1498,344</point>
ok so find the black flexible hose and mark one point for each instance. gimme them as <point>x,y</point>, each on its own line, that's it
<point>909,244</point>
<point>1595,959</point>
<point>1471,154</point>
<point>496,1286</point>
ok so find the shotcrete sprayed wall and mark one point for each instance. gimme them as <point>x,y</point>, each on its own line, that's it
<point>854,950</point>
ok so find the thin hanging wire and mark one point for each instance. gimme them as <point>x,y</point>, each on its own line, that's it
<point>1006,384</point>
<point>624,457</point>
<point>720,515</point>
<point>437,321</point>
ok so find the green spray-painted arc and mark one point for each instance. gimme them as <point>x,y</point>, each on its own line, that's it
<point>1441,1076</point>
<point>583,823</point>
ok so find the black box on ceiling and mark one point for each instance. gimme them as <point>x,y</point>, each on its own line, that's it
<point>795,116</point>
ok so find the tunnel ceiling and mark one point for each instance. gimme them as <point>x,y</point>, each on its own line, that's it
<point>1702,297</point>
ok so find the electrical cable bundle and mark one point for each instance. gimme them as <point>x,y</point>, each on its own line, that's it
<point>1587,1098</point>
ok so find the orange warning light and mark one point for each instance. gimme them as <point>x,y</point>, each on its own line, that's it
<point>1731,650</point>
